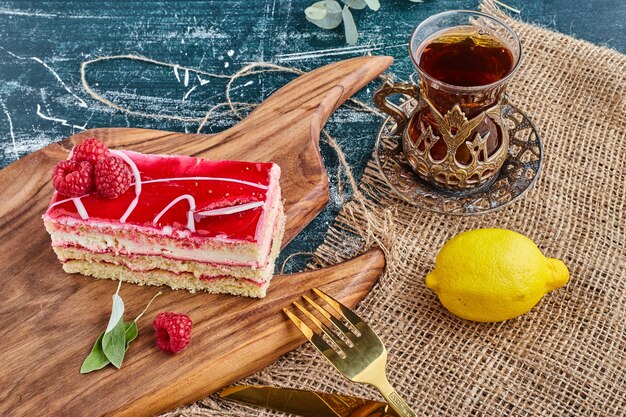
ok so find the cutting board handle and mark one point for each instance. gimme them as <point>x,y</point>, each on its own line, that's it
<point>288,125</point>
<point>315,95</point>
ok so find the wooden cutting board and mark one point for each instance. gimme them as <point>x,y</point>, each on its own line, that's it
<point>49,320</point>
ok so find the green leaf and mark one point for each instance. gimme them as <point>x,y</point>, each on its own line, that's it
<point>352,36</point>
<point>130,332</point>
<point>114,344</point>
<point>356,4</point>
<point>325,14</point>
<point>373,4</point>
<point>96,359</point>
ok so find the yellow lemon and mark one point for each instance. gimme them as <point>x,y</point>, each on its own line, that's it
<point>493,275</point>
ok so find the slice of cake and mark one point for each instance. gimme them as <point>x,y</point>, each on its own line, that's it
<point>185,222</point>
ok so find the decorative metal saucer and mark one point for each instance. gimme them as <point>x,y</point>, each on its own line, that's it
<point>518,174</point>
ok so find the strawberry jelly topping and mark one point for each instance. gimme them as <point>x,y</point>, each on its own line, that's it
<point>221,191</point>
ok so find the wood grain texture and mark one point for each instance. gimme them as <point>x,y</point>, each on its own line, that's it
<point>49,320</point>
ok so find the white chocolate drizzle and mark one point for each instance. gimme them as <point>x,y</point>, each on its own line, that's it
<point>137,176</point>
<point>191,224</point>
<point>80,207</point>
<point>251,184</point>
<point>231,209</point>
<point>82,211</point>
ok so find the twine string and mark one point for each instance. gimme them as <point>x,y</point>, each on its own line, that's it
<point>234,108</point>
<point>293,255</point>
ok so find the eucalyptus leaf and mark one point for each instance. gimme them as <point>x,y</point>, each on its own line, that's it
<point>356,4</point>
<point>130,332</point>
<point>114,344</point>
<point>316,12</point>
<point>96,359</point>
<point>373,4</point>
<point>329,14</point>
<point>325,14</point>
<point>333,6</point>
<point>117,311</point>
<point>352,36</point>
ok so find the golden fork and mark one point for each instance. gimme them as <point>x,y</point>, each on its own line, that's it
<point>359,356</point>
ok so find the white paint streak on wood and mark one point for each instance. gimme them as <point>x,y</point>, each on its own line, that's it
<point>6,112</point>
<point>15,12</point>
<point>342,48</point>
<point>64,122</point>
<point>207,33</point>
<point>189,92</point>
<point>81,102</point>
<point>12,54</point>
<point>299,56</point>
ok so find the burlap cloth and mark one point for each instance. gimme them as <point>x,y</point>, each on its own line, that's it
<point>567,356</point>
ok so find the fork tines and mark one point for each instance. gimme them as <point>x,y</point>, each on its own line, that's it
<point>358,354</point>
<point>343,337</point>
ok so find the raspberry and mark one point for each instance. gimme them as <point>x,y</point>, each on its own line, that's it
<point>91,150</point>
<point>71,178</point>
<point>112,177</point>
<point>172,331</point>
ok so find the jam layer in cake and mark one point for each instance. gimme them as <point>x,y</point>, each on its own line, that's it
<point>188,217</point>
<point>180,275</point>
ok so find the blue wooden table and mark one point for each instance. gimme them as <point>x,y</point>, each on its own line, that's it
<point>42,45</point>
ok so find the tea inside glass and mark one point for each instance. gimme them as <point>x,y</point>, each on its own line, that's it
<point>456,138</point>
<point>465,56</point>
<point>453,63</point>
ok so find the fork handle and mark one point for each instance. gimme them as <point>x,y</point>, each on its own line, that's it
<point>396,402</point>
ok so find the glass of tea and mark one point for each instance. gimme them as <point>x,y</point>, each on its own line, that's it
<point>456,139</point>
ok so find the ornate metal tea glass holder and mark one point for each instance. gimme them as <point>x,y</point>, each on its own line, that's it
<point>456,136</point>
<point>520,170</point>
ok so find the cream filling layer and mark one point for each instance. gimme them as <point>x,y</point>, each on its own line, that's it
<point>101,241</point>
<point>202,271</point>
<point>104,243</point>
<point>182,280</point>
<point>140,263</point>
<point>225,285</point>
